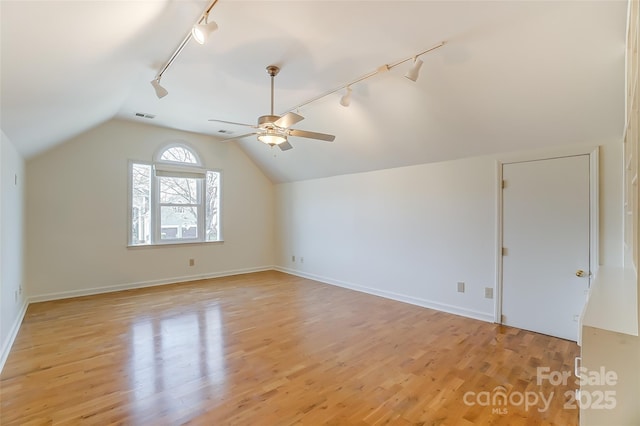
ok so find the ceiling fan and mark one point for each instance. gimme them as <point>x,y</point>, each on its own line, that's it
<point>274,130</point>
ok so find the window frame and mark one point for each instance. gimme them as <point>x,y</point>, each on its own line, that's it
<point>155,205</point>
<point>156,210</point>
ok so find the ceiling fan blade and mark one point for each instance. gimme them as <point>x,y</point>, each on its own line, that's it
<point>234,123</point>
<point>284,146</point>
<point>311,135</point>
<point>288,120</point>
<point>238,137</point>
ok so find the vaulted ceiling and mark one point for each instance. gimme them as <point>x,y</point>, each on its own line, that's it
<point>513,75</point>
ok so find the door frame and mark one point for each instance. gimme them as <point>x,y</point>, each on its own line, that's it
<point>594,161</point>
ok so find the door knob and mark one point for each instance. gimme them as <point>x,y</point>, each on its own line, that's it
<point>579,273</point>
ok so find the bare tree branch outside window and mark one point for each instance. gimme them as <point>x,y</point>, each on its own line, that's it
<point>180,201</point>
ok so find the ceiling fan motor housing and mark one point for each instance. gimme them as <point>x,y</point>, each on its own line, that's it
<point>266,121</point>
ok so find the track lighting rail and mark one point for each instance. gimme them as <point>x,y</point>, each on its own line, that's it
<point>161,91</point>
<point>379,70</point>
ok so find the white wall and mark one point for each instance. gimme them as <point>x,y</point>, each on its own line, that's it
<point>406,232</point>
<point>12,298</point>
<point>77,215</point>
<point>412,233</point>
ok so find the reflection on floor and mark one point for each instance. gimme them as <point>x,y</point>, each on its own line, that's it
<point>273,349</point>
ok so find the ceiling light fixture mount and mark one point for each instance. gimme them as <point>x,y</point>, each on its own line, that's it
<point>199,32</point>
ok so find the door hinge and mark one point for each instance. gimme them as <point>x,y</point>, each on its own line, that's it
<point>504,251</point>
<point>503,319</point>
<point>504,184</point>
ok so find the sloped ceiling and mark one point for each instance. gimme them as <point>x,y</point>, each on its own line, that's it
<point>513,75</point>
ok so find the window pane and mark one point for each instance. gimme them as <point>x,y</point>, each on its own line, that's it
<point>178,190</point>
<point>212,222</point>
<point>140,204</point>
<point>179,154</point>
<point>178,222</point>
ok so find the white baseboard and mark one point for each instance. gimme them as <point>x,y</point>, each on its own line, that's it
<point>456,310</point>
<point>142,284</point>
<point>13,333</point>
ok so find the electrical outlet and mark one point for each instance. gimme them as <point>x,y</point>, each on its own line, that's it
<point>192,262</point>
<point>488,293</point>
<point>460,287</point>
<point>576,318</point>
<point>15,296</point>
<point>20,290</point>
<point>293,258</point>
<point>302,260</point>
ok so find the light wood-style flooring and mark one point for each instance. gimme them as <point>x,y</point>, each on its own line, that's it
<point>273,349</point>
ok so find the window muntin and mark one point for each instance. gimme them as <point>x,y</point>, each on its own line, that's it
<point>174,204</point>
<point>179,154</point>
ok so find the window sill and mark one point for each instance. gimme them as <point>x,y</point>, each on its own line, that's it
<point>184,243</point>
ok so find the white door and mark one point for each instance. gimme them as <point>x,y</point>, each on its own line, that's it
<point>546,244</point>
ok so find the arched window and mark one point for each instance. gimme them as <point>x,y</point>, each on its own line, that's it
<point>178,153</point>
<point>174,199</point>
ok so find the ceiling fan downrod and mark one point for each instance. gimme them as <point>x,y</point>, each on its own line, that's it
<point>273,71</point>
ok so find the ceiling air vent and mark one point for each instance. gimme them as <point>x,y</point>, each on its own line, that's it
<point>143,115</point>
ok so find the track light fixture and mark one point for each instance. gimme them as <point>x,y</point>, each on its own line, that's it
<point>414,71</point>
<point>346,98</point>
<point>200,32</point>
<point>161,92</point>
<point>412,74</point>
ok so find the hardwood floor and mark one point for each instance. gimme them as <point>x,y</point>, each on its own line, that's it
<point>274,349</point>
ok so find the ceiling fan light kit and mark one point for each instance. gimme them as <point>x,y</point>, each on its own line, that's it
<point>272,137</point>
